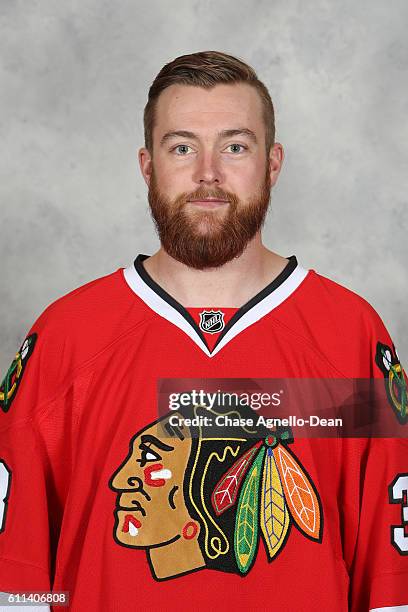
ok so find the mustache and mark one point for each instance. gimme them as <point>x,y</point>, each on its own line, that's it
<point>202,194</point>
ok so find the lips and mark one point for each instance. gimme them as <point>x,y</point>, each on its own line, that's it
<point>209,201</point>
<point>208,204</point>
<point>131,525</point>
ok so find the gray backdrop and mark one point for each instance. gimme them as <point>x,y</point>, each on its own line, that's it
<point>73,84</point>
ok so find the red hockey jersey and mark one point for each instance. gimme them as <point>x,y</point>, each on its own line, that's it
<point>104,498</point>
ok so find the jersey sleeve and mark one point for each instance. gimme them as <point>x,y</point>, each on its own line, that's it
<point>25,512</point>
<point>37,404</point>
<point>379,563</point>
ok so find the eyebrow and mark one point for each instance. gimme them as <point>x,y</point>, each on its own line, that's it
<point>149,439</point>
<point>223,134</point>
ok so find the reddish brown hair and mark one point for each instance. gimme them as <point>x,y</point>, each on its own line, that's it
<point>206,69</point>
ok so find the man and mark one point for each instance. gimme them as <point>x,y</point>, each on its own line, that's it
<point>125,507</point>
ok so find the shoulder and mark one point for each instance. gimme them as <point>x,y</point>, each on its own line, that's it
<point>342,325</point>
<point>350,308</point>
<point>69,333</point>
<point>92,315</point>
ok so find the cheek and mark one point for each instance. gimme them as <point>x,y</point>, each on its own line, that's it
<point>168,181</point>
<point>253,178</point>
<point>242,182</point>
<point>156,475</point>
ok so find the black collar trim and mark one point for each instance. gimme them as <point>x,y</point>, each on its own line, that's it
<point>272,286</point>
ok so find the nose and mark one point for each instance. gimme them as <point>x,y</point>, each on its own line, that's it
<point>126,479</point>
<point>123,482</point>
<point>207,170</point>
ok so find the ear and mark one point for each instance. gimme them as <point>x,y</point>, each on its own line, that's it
<point>276,157</point>
<point>146,164</point>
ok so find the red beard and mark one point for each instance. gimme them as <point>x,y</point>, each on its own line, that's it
<point>207,239</point>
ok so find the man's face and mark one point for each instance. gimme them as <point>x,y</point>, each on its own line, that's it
<point>150,508</point>
<point>205,162</point>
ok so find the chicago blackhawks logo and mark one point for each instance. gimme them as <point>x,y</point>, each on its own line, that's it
<point>395,379</point>
<point>12,379</point>
<point>193,501</point>
<point>212,321</point>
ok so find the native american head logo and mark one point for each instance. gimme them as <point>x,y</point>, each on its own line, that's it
<point>193,501</point>
<point>395,379</point>
<point>13,377</point>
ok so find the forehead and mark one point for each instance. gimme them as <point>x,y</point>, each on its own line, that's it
<point>202,110</point>
<point>163,433</point>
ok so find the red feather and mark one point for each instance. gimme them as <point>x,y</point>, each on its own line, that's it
<point>226,491</point>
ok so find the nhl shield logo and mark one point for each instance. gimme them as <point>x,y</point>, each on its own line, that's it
<point>212,321</point>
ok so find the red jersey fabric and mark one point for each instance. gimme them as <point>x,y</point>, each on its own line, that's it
<point>96,502</point>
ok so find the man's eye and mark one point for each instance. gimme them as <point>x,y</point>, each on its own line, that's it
<point>238,145</point>
<point>181,147</point>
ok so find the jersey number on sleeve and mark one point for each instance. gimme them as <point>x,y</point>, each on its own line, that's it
<point>5,482</point>
<point>398,494</point>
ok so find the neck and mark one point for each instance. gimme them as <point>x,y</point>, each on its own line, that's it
<point>229,286</point>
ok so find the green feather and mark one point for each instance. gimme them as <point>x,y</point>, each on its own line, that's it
<point>247,520</point>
